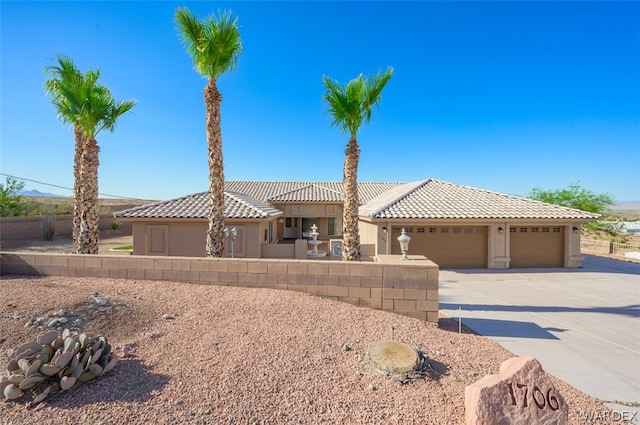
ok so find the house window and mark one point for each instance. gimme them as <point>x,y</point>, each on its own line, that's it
<point>535,230</point>
<point>334,226</point>
<point>545,230</point>
<point>420,229</point>
<point>444,230</point>
<point>433,230</point>
<point>524,230</point>
<point>468,230</point>
<point>456,230</point>
<point>512,230</point>
<point>556,230</point>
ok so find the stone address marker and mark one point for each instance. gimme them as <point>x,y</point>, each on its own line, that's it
<point>521,394</point>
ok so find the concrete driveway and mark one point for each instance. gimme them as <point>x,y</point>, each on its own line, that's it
<point>583,324</point>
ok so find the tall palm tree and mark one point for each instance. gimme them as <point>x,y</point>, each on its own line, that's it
<point>350,106</point>
<point>90,108</point>
<point>215,46</point>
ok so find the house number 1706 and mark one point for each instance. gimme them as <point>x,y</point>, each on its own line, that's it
<point>540,399</point>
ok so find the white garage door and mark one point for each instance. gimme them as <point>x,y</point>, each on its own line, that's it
<point>536,246</point>
<point>447,246</point>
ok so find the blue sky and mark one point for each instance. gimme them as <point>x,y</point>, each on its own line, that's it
<point>504,96</point>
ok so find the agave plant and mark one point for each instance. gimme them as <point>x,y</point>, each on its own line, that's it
<point>55,362</point>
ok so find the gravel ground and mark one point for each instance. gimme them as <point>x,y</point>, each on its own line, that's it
<point>222,355</point>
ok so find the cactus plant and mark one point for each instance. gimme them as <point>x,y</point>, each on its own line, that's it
<point>55,362</point>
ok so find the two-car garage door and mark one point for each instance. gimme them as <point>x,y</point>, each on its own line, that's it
<point>447,246</point>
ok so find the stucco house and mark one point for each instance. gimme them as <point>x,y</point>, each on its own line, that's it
<point>455,226</point>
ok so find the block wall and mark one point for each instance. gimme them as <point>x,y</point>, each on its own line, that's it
<point>410,290</point>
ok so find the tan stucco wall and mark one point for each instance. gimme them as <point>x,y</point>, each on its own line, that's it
<point>409,288</point>
<point>188,238</point>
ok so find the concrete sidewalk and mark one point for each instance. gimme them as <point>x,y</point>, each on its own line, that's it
<point>583,325</point>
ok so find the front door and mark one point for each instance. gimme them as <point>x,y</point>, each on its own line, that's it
<point>290,229</point>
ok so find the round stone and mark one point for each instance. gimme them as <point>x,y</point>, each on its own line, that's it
<point>393,358</point>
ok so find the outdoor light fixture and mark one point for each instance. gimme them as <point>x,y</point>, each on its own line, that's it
<point>576,230</point>
<point>231,234</point>
<point>404,244</point>
<point>384,230</point>
<point>500,230</point>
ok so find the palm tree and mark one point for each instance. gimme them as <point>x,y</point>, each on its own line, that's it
<point>215,46</point>
<point>90,108</point>
<point>350,106</point>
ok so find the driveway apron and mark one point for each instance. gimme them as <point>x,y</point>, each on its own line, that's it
<point>583,325</point>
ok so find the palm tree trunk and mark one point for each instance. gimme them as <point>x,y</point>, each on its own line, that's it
<point>215,233</point>
<point>351,233</point>
<point>79,139</point>
<point>89,216</point>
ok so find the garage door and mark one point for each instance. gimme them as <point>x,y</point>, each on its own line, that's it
<point>447,246</point>
<point>536,246</point>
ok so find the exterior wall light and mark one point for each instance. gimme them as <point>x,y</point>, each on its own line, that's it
<point>576,230</point>
<point>501,230</point>
<point>404,244</point>
<point>384,230</point>
<point>231,234</point>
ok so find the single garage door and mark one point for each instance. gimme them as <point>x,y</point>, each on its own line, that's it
<point>447,246</point>
<point>536,246</point>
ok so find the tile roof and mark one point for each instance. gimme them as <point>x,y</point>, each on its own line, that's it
<point>237,206</point>
<point>423,199</point>
<point>436,199</point>
<point>265,190</point>
<point>310,193</point>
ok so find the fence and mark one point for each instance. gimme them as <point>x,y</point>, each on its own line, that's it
<point>606,247</point>
<point>16,228</point>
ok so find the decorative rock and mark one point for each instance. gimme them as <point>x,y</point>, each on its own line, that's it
<point>100,300</point>
<point>521,394</point>
<point>168,317</point>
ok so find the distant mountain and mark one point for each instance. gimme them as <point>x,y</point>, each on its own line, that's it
<point>627,206</point>
<point>37,193</point>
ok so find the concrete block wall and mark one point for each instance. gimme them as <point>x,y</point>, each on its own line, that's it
<point>410,289</point>
<point>16,228</point>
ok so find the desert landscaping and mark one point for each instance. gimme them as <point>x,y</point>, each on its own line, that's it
<point>212,354</point>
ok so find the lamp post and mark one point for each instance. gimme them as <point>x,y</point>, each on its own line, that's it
<point>231,234</point>
<point>404,244</point>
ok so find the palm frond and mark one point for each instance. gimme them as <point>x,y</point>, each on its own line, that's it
<point>351,105</point>
<point>80,100</point>
<point>372,94</point>
<point>213,43</point>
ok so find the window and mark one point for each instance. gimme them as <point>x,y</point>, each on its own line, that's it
<point>433,230</point>
<point>456,230</point>
<point>468,230</point>
<point>556,230</point>
<point>524,230</point>
<point>512,230</point>
<point>545,230</point>
<point>535,230</point>
<point>420,229</point>
<point>334,226</point>
<point>444,230</point>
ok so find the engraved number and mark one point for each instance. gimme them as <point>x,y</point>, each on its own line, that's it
<point>539,398</point>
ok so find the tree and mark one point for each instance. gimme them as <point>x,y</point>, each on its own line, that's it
<point>350,106</point>
<point>90,107</point>
<point>215,46</point>
<point>575,196</point>
<point>12,204</point>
